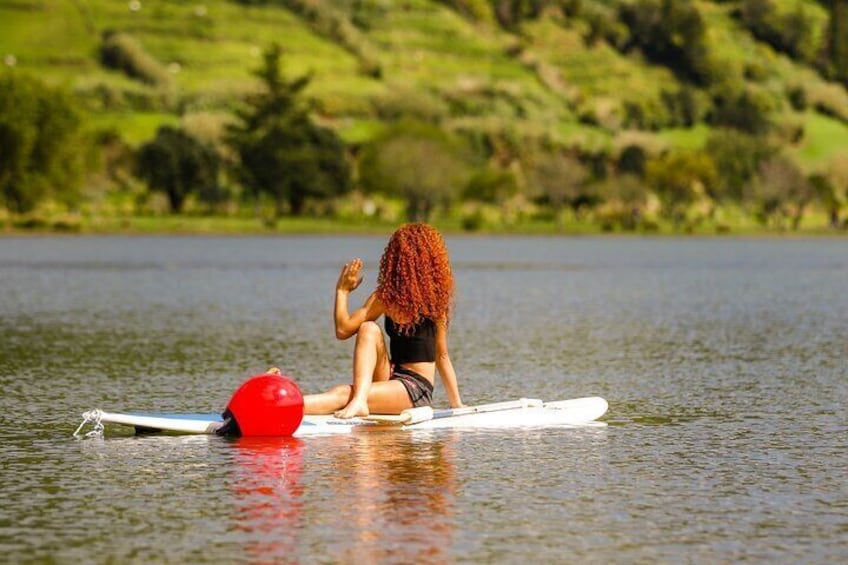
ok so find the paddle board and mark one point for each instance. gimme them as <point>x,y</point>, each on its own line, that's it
<point>528,414</point>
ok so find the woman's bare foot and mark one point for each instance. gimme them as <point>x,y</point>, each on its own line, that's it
<point>273,371</point>
<point>354,408</point>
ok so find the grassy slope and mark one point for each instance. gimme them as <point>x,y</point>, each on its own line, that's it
<point>824,136</point>
<point>423,46</point>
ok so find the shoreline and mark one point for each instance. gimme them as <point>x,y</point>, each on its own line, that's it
<point>235,226</point>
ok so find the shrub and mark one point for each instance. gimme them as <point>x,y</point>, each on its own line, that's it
<point>830,99</point>
<point>410,103</point>
<point>510,13</point>
<point>792,32</point>
<point>737,156</point>
<point>670,32</point>
<point>602,111</point>
<point>647,114</point>
<point>780,189</point>
<point>560,180</point>
<point>685,106</point>
<point>42,145</point>
<point>835,53</point>
<point>122,52</point>
<point>832,186</point>
<point>491,185</point>
<point>742,108</point>
<point>478,10</point>
<point>797,96</point>
<point>681,178</point>
<point>625,200</point>
<point>328,20</point>
<point>603,24</point>
<point>632,160</point>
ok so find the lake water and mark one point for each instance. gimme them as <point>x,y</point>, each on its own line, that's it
<point>723,360</point>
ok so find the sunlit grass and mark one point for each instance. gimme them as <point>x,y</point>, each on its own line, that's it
<point>686,138</point>
<point>134,127</point>
<point>824,137</point>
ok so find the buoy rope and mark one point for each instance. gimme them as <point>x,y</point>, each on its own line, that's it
<point>91,417</point>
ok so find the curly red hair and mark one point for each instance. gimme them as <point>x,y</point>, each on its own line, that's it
<point>415,280</point>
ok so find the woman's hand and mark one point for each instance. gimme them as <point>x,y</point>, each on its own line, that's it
<point>350,277</point>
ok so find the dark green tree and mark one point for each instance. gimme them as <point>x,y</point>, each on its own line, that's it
<point>836,41</point>
<point>791,32</point>
<point>740,107</point>
<point>510,13</point>
<point>178,165</point>
<point>42,145</point>
<point>670,32</point>
<point>281,151</point>
<point>737,156</point>
<point>632,160</point>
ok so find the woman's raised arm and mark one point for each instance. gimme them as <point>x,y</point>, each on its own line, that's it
<point>347,323</point>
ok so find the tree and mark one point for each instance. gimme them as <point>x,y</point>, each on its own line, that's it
<point>178,165</point>
<point>632,160</point>
<point>417,162</point>
<point>491,185</point>
<point>625,200</point>
<point>836,41</point>
<point>281,151</point>
<point>737,156</point>
<point>680,178</point>
<point>792,32</point>
<point>561,180</point>
<point>742,108</point>
<point>670,32</point>
<point>832,187</point>
<point>42,145</point>
<point>511,13</point>
<point>780,189</point>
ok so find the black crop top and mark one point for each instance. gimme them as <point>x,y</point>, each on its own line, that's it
<point>419,345</point>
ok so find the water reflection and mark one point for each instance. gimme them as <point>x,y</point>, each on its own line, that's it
<point>268,496</point>
<point>399,499</point>
<point>377,497</point>
<point>403,489</point>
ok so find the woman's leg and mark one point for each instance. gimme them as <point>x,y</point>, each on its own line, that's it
<point>327,402</point>
<point>370,363</point>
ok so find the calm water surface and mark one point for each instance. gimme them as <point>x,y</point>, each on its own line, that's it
<point>724,362</point>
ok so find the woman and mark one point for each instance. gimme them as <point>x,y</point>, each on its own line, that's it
<point>414,292</point>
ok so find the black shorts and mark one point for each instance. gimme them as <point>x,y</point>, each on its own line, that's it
<point>419,389</point>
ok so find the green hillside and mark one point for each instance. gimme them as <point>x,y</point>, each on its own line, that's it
<point>561,74</point>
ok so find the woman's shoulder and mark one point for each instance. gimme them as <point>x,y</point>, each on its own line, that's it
<point>374,306</point>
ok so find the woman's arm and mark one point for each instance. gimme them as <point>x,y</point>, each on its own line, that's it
<point>347,323</point>
<point>444,365</point>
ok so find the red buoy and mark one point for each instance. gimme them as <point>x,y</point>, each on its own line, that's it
<point>267,405</point>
